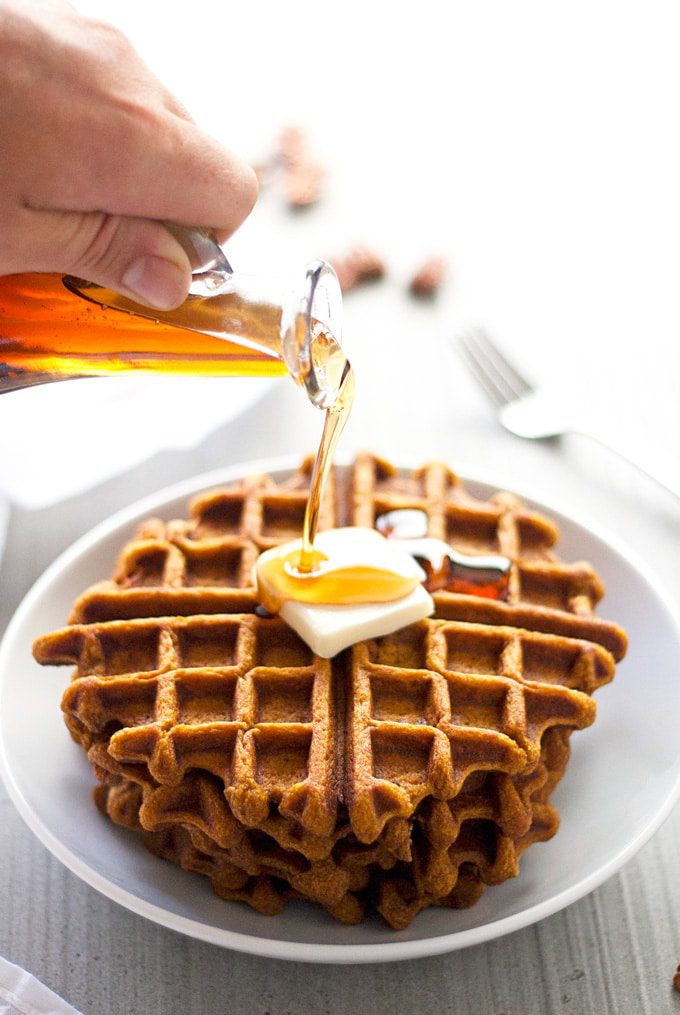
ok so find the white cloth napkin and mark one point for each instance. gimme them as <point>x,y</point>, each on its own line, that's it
<point>57,440</point>
<point>22,994</point>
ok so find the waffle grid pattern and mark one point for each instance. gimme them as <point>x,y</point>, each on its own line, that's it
<point>412,770</point>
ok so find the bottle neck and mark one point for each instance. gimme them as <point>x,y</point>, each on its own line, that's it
<point>297,322</point>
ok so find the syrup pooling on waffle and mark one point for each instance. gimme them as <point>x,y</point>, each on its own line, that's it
<point>444,567</point>
<point>204,565</point>
<point>544,593</point>
<point>350,781</point>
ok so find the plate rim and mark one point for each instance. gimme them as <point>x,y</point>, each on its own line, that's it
<point>310,951</point>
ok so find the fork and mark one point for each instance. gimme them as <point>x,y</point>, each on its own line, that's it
<point>529,412</point>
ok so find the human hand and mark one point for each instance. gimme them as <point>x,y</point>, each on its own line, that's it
<point>95,153</point>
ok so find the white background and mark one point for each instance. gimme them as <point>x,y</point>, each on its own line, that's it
<point>535,144</point>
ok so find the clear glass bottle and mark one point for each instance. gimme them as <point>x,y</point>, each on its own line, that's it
<point>54,328</point>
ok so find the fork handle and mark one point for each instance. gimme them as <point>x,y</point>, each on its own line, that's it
<point>671,484</point>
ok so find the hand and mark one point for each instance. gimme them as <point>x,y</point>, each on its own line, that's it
<point>95,153</point>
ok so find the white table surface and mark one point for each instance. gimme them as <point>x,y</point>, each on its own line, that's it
<point>536,147</point>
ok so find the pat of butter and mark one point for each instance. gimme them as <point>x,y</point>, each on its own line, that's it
<point>329,628</point>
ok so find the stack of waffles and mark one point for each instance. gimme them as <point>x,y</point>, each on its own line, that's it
<point>411,770</point>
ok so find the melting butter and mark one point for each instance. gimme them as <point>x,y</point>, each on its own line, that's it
<point>349,566</point>
<point>361,586</point>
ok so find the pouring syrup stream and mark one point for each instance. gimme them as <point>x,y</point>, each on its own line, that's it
<point>340,376</point>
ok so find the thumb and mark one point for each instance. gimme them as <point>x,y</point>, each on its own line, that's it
<point>136,257</point>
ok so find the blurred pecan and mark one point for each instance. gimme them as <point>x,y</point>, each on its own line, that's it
<point>302,186</point>
<point>293,146</point>
<point>429,277</point>
<point>359,265</point>
<point>302,175</point>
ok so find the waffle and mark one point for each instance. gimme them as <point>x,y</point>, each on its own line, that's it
<point>446,862</point>
<point>360,778</point>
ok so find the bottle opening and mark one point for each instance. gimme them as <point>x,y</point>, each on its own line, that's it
<point>310,336</point>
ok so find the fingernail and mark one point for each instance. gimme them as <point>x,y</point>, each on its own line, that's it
<point>156,282</point>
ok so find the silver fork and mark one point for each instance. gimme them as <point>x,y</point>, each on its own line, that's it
<point>529,412</point>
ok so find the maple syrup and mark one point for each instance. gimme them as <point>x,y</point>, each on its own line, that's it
<point>280,579</point>
<point>239,324</point>
<point>49,333</point>
<point>447,569</point>
<point>54,328</point>
<point>336,368</point>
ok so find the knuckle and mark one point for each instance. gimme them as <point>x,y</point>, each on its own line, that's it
<point>143,117</point>
<point>109,37</point>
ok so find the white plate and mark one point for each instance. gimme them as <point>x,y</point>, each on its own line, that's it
<point>623,778</point>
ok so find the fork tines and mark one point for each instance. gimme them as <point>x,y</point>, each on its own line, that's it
<point>502,382</point>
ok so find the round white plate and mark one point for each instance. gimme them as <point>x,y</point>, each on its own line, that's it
<point>623,778</point>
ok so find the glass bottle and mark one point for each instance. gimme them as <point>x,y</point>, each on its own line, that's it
<point>54,328</point>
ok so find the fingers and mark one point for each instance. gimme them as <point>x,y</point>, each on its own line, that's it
<point>111,137</point>
<point>211,186</point>
<point>147,164</point>
<point>135,257</point>
<point>96,153</point>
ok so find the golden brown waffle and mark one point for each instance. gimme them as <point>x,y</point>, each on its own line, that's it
<point>244,699</point>
<point>235,734</point>
<point>454,862</point>
<point>447,864</point>
<point>545,594</point>
<point>240,697</point>
<point>440,701</point>
<point>205,565</point>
